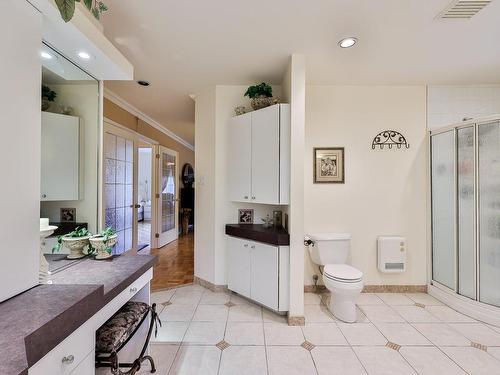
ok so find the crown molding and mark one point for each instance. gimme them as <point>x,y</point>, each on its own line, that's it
<point>111,96</point>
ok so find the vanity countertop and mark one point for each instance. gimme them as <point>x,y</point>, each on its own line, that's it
<point>36,321</point>
<point>276,236</point>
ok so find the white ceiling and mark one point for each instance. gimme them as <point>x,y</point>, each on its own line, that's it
<point>180,46</point>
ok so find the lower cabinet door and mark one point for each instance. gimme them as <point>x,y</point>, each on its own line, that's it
<point>264,274</point>
<point>238,267</point>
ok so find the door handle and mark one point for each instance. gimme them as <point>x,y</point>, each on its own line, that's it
<point>135,206</point>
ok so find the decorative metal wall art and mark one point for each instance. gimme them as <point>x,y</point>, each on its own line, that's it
<point>390,138</point>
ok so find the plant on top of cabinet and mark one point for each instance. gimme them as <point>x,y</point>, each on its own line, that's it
<point>67,8</point>
<point>261,95</point>
<point>75,241</point>
<point>48,96</point>
<point>104,242</point>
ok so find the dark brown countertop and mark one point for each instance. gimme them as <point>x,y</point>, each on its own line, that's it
<point>34,322</point>
<point>277,236</point>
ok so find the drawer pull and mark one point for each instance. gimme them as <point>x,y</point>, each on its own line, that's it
<point>246,245</point>
<point>133,290</point>
<point>68,360</point>
<point>253,246</point>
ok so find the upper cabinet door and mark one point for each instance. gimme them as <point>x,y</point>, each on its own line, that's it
<point>60,157</point>
<point>266,155</point>
<point>239,157</point>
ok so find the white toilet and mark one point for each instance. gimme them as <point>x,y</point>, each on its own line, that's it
<point>344,282</point>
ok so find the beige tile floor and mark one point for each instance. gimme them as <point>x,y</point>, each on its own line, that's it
<point>202,335</point>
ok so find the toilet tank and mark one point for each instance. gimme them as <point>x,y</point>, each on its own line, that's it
<point>329,248</point>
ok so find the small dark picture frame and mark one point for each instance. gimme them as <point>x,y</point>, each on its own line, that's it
<point>68,215</point>
<point>328,165</point>
<point>245,216</point>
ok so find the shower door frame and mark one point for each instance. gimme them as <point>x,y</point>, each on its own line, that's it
<point>451,297</point>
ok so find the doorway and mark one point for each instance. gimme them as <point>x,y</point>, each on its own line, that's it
<point>144,195</point>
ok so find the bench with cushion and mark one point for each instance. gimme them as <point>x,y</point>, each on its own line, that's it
<point>117,331</point>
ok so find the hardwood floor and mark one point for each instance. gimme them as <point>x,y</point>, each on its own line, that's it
<point>176,263</point>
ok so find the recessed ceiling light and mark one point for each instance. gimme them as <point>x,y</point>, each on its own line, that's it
<point>143,83</point>
<point>45,55</point>
<point>348,42</point>
<point>83,55</point>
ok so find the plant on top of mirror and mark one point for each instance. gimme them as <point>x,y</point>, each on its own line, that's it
<point>67,8</point>
<point>77,233</point>
<point>262,89</point>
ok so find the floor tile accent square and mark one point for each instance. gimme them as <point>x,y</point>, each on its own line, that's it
<point>430,361</point>
<point>222,345</point>
<point>479,346</point>
<point>307,345</point>
<point>243,360</point>
<point>393,346</point>
<point>420,305</point>
<point>338,360</point>
<point>229,304</point>
<point>289,360</point>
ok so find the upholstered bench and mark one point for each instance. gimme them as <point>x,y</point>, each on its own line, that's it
<point>117,332</point>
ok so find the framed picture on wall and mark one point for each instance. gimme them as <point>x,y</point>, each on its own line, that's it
<point>245,216</point>
<point>67,215</point>
<point>329,165</point>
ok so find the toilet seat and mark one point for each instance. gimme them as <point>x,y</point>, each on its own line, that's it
<point>342,273</point>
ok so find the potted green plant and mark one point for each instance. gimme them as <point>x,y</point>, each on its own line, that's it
<point>48,96</point>
<point>261,95</point>
<point>76,241</point>
<point>104,242</point>
<point>67,8</point>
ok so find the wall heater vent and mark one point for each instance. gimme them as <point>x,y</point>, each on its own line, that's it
<point>463,9</point>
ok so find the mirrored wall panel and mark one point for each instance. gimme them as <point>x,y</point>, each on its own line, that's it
<point>443,208</point>
<point>489,212</point>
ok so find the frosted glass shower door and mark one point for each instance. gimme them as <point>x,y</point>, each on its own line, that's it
<point>489,213</point>
<point>443,208</point>
<point>466,208</point>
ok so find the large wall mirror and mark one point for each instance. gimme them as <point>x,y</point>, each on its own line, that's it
<point>69,151</point>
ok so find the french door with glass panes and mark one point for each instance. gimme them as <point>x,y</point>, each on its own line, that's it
<point>120,186</point>
<point>167,196</point>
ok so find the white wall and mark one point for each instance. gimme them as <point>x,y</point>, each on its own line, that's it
<point>20,120</point>
<point>448,105</point>
<point>83,97</point>
<point>385,190</point>
<point>294,83</point>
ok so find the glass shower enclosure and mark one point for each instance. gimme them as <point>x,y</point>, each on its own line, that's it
<point>465,209</point>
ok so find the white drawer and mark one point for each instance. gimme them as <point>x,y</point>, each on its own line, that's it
<point>87,367</point>
<point>66,356</point>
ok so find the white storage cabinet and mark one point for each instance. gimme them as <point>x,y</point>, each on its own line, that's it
<point>259,156</point>
<point>60,169</point>
<point>259,271</point>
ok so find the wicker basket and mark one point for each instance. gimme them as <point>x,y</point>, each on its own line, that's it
<point>261,102</point>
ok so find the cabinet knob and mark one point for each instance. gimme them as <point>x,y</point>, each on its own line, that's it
<point>252,247</point>
<point>253,197</point>
<point>133,290</point>
<point>69,359</point>
<point>44,195</point>
<point>245,245</point>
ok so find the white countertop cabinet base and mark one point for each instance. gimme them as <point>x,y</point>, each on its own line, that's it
<point>259,272</point>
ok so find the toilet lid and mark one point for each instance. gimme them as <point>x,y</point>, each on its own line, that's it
<point>342,272</point>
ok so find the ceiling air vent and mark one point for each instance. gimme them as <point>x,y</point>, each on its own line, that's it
<point>463,9</point>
